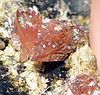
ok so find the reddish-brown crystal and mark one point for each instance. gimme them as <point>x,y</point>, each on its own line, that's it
<point>43,40</point>
<point>84,85</point>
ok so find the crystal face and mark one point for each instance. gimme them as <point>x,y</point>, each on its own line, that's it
<point>42,39</point>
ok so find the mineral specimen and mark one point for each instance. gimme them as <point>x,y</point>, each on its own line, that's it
<point>42,39</point>
<point>84,85</point>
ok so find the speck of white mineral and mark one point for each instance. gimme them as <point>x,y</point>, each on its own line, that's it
<point>76,34</point>
<point>4,32</point>
<point>30,24</point>
<point>58,28</point>
<point>35,9</point>
<point>46,20</point>
<point>32,81</point>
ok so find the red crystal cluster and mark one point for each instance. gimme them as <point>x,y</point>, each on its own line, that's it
<point>84,85</point>
<point>42,39</point>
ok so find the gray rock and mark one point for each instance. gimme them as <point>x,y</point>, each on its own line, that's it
<point>81,7</point>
